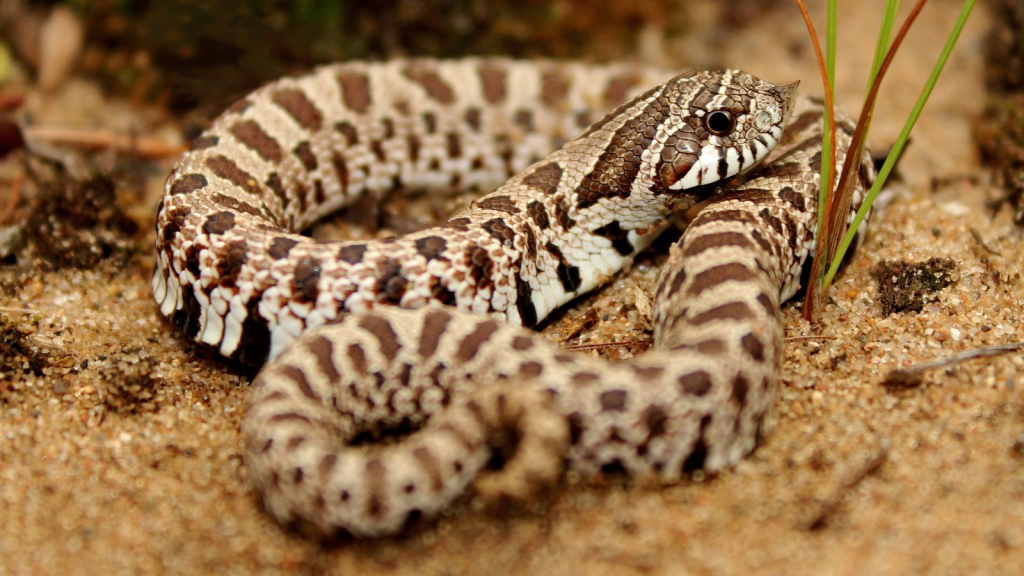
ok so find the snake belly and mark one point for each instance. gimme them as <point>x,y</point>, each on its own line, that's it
<point>233,273</point>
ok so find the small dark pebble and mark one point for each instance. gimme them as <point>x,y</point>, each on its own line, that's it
<point>1017,448</point>
<point>902,379</point>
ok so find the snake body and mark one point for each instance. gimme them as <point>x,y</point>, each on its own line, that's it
<point>233,273</point>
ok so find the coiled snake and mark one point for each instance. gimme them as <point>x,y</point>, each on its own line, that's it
<point>232,273</point>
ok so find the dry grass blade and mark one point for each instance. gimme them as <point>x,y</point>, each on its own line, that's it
<point>102,139</point>
<point>829,97</point>
<point>604,345</point>
<point>912,376</point>
<point>8,310</point>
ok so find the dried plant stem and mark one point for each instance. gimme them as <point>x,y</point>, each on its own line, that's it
<point>912,375</point>
<point>102,139</point>
<point>603,345</point>
<point>829,137</point>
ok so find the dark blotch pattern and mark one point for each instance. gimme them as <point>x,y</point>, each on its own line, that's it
<point>619,237</point>
<point>617,167</point>
<point>255,344</point>
<point>499,202</point>
<point>390,280</point>
<point>530,369</point>
<point>562,215</point>
<point>432,83</point>
<point>699,453</point>
<point>554,87</point>
<point>357,356</point>
<point>716,240</point>
<point>766,301</point>
<point>655,418</point>
<point>568,276</point>
<point>234,204</point>
<point>471,344</point>
<point>252,136</point>
<point>795,199</point>
<point>294,102</point>
<point>584,378</point>
<point>307,273</point>
<point>298,376</point>
<point>280,247</point>
<point>472,118</point>
<point>500,231</point>
<point>230,264</point>
<point>304,152</point>
<point>536,211</point>
<point>753,345</point>
<point>433,328</point>
<point>524,303</point>
<point>277,187</point>
<point>219,222</point>
<point>524,119</point>
<point>493,81</point>
<point>323,350</point>
<point>614,400</point>
<point>522,343</point>
<point>618,88</point>
<point>696,383</point>
<point>707,279</point>
<point>384,333</point>
<point>730,311</point>
<point>348,131</point>
<point>454,145</point>
<point>226,168</point>
<point>544,178</point>
<point>771,220</point>
<point>352,253</point>
<point>431,247</point>
<point>355,91</point>
<point>204,142</point>
<point>740,388</point>
<point>188,183</point>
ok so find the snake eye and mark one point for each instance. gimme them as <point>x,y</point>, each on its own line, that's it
<point>719,123</point>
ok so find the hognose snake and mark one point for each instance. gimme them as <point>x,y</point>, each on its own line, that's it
<point>233,273</point>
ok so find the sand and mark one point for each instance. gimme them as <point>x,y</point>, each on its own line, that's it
<point>120,450</point>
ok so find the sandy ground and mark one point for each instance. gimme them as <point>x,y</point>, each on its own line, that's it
<point>854,479</point>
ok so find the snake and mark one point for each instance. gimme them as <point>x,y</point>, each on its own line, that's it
<point>400,372</point>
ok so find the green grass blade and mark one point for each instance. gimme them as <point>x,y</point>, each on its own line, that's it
<point>884,34</point>
<point>901,141</point>
<point>826,135</point>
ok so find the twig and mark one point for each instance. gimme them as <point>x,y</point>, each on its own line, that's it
<point>827,506</point>
<point>17,310</point>
<point>607,345</point>
<point>912,376</point>
<point>981,242</point>
<point>101,139</point>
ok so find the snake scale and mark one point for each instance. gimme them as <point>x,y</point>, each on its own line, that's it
<point>485,401</point>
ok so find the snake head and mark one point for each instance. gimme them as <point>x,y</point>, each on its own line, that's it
<point>718,124</point>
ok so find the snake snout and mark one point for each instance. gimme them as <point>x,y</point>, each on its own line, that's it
<point>788,94</point>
